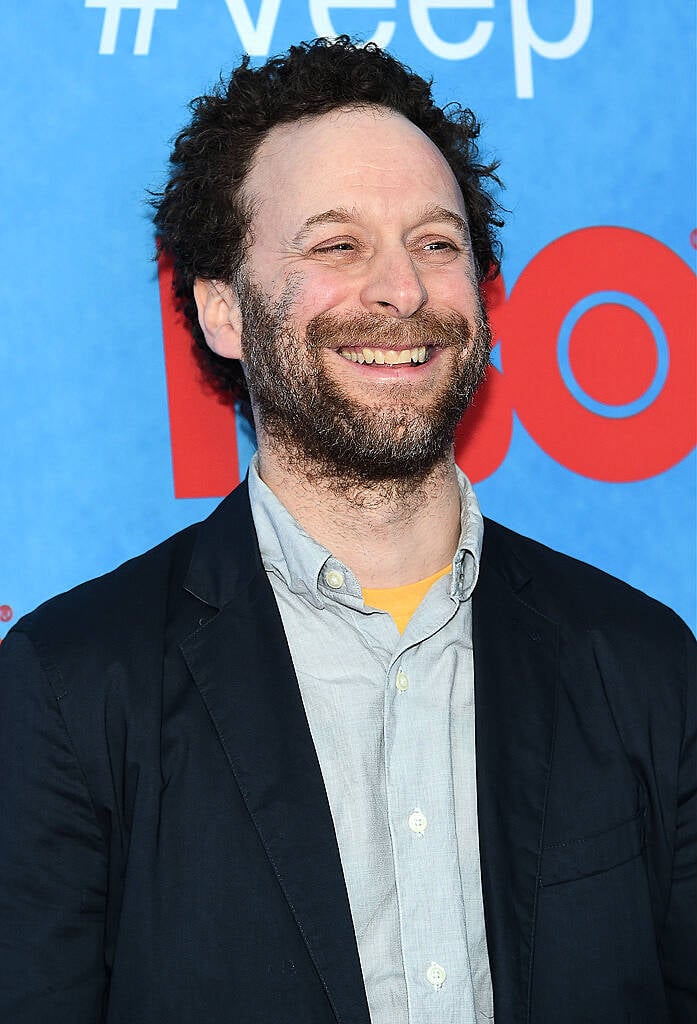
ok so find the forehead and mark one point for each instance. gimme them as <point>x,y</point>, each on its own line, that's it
<point>370,159</point>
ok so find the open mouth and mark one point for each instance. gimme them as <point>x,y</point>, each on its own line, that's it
<point>387,356</point>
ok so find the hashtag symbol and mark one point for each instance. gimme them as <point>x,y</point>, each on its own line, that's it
<point>146,18</point>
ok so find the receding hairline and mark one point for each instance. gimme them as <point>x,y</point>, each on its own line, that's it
<point>251,201</point>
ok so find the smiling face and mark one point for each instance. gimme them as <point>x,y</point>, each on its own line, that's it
<point>362,333</point>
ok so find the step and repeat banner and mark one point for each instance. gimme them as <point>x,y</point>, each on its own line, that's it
<point>585,435</point>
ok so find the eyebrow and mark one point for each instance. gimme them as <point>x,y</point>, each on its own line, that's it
<point>435,213</point>
<point>341,215</point>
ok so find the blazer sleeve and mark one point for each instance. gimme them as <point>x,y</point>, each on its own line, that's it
<point>678,940</point>
<point>53,861</point>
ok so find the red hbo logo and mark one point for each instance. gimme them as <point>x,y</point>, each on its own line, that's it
<point>597,341</point>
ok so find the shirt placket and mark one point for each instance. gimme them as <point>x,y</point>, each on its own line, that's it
<point>420,805</point>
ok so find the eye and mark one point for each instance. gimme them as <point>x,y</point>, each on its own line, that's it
<point>437,250</point>
<point>336,245</point>
<point>440,245</point>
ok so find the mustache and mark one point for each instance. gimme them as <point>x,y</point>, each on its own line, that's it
<point>423,328</point>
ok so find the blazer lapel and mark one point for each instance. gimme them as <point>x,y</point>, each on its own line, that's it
<point>516,672</point>
<point>241,664</point>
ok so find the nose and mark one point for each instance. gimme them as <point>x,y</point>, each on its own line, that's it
<point>393,286</point>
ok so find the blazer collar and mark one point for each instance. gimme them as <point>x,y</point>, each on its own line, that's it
<point>225,557</point>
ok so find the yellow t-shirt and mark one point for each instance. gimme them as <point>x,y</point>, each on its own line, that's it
<point>402,602</point>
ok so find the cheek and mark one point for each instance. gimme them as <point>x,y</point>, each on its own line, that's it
<point>454,292</point>
<point>320,291</point>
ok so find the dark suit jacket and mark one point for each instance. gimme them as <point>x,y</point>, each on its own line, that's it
<point>167,853</point>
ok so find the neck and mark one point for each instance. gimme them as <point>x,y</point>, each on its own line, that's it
<point>388,534</point>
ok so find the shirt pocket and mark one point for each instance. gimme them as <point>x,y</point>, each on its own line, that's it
<point>589,855</point>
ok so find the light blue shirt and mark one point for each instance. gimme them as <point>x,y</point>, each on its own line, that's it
<point>392,720</point>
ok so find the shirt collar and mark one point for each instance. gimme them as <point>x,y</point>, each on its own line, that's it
<point>313,573</point>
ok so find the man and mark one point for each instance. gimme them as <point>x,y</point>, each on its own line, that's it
<point>343,752</point>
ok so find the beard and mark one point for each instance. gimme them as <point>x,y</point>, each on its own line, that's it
<point>394,439</point>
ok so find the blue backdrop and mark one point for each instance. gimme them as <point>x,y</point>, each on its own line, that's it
<point>587,441</point>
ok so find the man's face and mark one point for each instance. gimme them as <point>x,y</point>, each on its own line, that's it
<point>363,335</point>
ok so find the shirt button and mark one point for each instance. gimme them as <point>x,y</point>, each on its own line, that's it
<point>435,975</point>
<point>334,579</point>
<point>402,682</point>
<point>418,822</point>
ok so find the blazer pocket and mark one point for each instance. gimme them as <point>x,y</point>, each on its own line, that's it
<point>589,855</point>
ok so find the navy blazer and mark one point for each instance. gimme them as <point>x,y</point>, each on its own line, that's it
<point>167,852</point>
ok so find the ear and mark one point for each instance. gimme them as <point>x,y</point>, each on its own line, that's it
<point>219,317</point>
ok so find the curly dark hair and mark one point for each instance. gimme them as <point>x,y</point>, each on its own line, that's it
<point>201,217</point>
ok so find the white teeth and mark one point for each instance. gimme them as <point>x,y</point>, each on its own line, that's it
<point>389,357</point>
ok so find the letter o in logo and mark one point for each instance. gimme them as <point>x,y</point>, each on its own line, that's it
<point>610,276</point>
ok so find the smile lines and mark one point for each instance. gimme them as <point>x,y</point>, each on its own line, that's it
<point>388,356</point>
